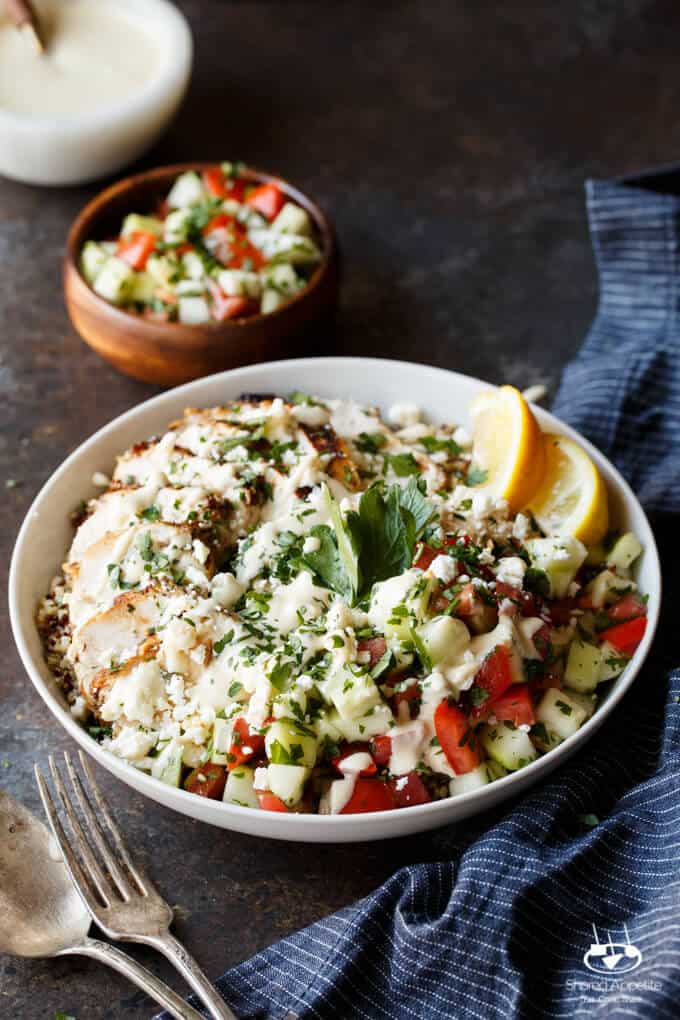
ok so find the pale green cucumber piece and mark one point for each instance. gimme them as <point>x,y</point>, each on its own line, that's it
<point>287,742</point>
<point>187,189</point>
<point>509,746</point>
<point>351,695</point>
<point>114,281</point>
<point>473,780</point>
<point>376,722</point>
<point>288,782</point>
<point>613,662</point>
<point>168,765</point>
<point>93,257</point>
<point>134,224</point>
<point>625,551</point>
<point>281,278</point>
<point>443,638</point>
<point>560,558</point>
<point>221,741</point>
<point>561,714</point>
<point>292,220</point>
<point>607,587</point>
<point>239,788</point>
<point>193,311</point>
<point>584,663</point>
<point>143,288</point>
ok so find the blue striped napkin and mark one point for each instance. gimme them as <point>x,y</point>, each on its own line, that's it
<point>511,923</point>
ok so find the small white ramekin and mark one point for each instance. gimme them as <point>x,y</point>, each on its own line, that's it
<point>76,148</point>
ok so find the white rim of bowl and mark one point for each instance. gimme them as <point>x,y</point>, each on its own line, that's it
<point>173,74</point>
<point>146,784</point>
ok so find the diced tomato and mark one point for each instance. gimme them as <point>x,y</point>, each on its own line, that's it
<point>232,308</point>
<point>561,611</point>
<point>357,748</point>
<point>219,186</point>
<point>230,244</point>
<point>207,781</point>
<point>474,611</point>
<point>542,640</point>
<point>162,209</point>
<point>456,738</point>
<point>270,802</point>
<point>369,795</point>
<point>267,199</point>
<point>628,608</point>
<point>410,697</point>
<point>427,553</point>
<point>525,600</point>
<point>182,249</point>
<point>625,637</point>
<point>514,706</point>
<point>494,675</point>
<point>381,749</point>
<point>136,248</point>
<point>244,743</point>
<point>155,315</point>
<point>376,648</point>
<point>409,790</point>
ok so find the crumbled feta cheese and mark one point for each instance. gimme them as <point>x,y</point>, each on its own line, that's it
<point>444,568</point>
<point>404,414</point>
<point>261,779</point>
<point>511,570</point>
<point>311,544</point>
<point>101,480</point>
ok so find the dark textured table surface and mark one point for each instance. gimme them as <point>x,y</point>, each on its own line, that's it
<point>449,141</point>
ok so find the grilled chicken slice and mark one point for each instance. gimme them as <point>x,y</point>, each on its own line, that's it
<point>95,687</point>
<point>116,635</point>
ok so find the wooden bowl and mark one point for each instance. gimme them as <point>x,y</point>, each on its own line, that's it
<point>170,353</point>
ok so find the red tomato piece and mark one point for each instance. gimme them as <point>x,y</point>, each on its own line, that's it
<point>561,611</point>
<point>267,199</point>
<point>425,555</point>
<point>136,248</point>
<point>230,244</point>
<point>224,307</point>
<point>244,743</point>
<point>628,608</point>
<point>411,698</point>
<point>409,790</point>
<point>219,186</point>
<point>376,648</point>
<point>514,706</point>
<point>270,802</point>
<point>474,611</point>
<point>456,738</point>
<point>369,795</point>
<point>357,748</point>
<point>381,749</point>
<point>525,600</point>
<point>207,781</point>
<point>626,636</point>
<point>494,675</point>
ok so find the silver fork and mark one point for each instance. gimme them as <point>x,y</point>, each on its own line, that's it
<point>118,894</point>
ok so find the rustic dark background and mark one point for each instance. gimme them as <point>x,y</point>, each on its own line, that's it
<point>449,141</point>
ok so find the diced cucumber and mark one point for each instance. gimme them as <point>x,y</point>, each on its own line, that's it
<point>473,780</point>
<point>352,696</point>
<point>92,260</point>
<point>282,278</point>
<point>561,714</point>
<point>193,311</point>
<point>292,220</point>
<point>187,189</point>
<point>291,704</point>
<point>134,223</point>
<point>271,301</point>
<point>606,587</point>
<point>114,281</point>
<point>504,633</point>
<point>586,702</point>
<point>190,288</point>
<point>176,226</point>
<point>337,794</point>
<point>584,663</point>
<point>288,782</point>
<point>221,741</point>
<point>162,268</point>
<point>625,551</point>
<point>510,746</point>
<point>238,283</point>
<point>287,742</point>
<point>239,788</point>
<point>559,558</point>
<point>495,770</point>
<point>324,726</point>
<point>613,662</point>
<point>168,765</point>
<point>377,721</point>
<point>143,288</point>
<point>293,248</point>
<point>443,638</point>
<point>193,265</point>
<point>399,604</point>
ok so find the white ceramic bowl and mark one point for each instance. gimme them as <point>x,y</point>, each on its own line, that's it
<point>79,148</point>
<point>445,397</point>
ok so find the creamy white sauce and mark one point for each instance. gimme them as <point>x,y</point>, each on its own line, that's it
<point>96,58</point>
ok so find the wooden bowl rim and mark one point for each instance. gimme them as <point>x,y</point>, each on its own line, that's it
<point>171,330</point>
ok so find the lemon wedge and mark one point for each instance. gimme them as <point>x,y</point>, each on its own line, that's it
<point>572,498</point>
<point>507,444</point>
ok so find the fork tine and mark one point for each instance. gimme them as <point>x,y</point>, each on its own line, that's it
<point>89,861</point>
<point>143,882</point>
<point>80,880</point>
<point>97,833</point>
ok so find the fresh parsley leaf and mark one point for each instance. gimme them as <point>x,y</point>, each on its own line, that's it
<point>476,476</point>
<point>412,498</point>
<point>220,645</point>
<point>382,665</point>
<point>145,547</point>
<point>403,464</point>
<point>537,582</point>
<point>280,675</point>
<point>478,695</point>
<point>235,688</point>
<point>370,442</point>
<point>281,755</point>
<point>152,513</point>
<point>327,564</point>
<point>433,445</point>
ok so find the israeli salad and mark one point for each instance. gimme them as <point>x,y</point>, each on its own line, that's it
<point>293,606</point>
<point>217,247</point>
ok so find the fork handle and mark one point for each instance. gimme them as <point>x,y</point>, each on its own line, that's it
<point>175,952</point>
<point>140,976</point>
